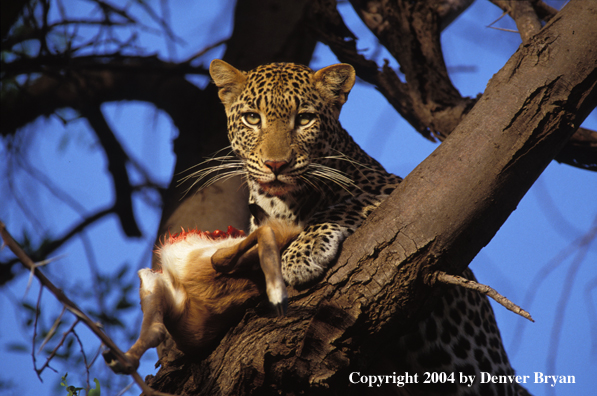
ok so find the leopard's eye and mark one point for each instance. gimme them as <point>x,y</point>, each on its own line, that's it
<point>251,118</point>
<point>304,119</point>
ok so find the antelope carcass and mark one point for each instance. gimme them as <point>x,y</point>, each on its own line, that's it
<point>201,289</point>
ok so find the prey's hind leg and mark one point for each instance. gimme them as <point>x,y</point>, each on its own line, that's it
<point>155,298</point>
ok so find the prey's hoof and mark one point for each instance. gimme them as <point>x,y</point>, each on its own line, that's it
<point>281,307</point>
<point>116,365</point>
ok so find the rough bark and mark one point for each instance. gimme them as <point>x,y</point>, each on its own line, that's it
<point>443,213</point>
<point>378,285</point>
<point>426,98</point>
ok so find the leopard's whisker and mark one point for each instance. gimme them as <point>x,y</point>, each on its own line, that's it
<point>229,166</point>
<point>213,158</point>
<point>210,169</point>
<point>220,177</point>
<point>338,175</point>
<point>325,177</point>
<point>332,177</point>
<point>311,184</point>
<point>343,157</point>
<point>217,178</point>
<point>202,173</point>
<point>326,173</point>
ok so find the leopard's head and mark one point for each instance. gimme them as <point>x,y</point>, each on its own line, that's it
<point>283,120</point>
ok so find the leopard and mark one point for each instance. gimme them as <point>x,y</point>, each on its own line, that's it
<point>300,165</point>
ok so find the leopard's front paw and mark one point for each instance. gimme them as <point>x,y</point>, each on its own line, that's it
<point>310,255</point>
<point>300,268</point>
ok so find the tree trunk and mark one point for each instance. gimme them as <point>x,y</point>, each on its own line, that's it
<point>439,218</point>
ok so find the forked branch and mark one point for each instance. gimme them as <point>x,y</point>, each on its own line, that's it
<point>426,97</point>
<point>72,307</point>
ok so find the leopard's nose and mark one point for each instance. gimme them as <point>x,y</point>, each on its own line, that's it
<point>276,166</point>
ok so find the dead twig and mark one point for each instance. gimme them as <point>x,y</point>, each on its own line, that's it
<point>72,307</point>
<point>52,330</point>
<point>55,350</point>
<point>441,276</point>
<point>525,16</point>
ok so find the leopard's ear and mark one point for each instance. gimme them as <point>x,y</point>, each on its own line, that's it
<point>229,80</point>
<point>335,82</point>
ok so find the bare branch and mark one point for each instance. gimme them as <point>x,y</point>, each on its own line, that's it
<point>205,50</point>
<point>87,366</point>
<point>581,150</point>
<point>40,370</point>
<point>51,246</point>
<point>591,312</point>
<point>108,62</point>
<point>163,22</point>
<point>37,309</point>
<point>52,330</point>
<point>419,55</point>
<point>524,15</point>
<point>441,276</point>
<point>73,308</point>
<point>96,81</point>
<point>117,159</point>
<point>59,294</point>
<point>560,310</point>
<point>544,11</point>
<point>449,10</point>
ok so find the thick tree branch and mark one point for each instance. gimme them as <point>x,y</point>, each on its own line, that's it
<point>331,30</point>
<point>411,33</point>
<point>449,10</point>
<point>524,15</point>
<point>581,150</point>
<point>57,64</point>
<point>439,218</point>
<point>129,79</point>
<point>544,11</point>
<point>427,100</point>
<point>117,159</point>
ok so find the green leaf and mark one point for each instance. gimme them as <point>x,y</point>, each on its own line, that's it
<point>96,391</point>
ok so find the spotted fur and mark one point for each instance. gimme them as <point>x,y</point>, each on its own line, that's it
<point>302,166</point>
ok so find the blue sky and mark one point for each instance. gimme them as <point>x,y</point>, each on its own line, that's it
<point>540,240</point>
